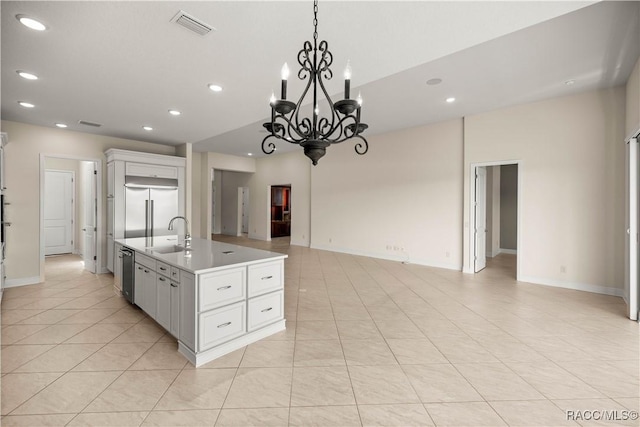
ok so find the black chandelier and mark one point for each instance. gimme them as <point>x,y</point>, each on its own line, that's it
<point>315,134</point>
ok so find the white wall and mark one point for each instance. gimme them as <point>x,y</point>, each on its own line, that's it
<point>572,185</point>
<point>196,199</point>
<point>632,124</point>
<point>401,200</point>
<point>22,175</point>
<point>290,168</point>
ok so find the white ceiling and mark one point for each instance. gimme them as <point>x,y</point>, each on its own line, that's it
<point>124,64</point>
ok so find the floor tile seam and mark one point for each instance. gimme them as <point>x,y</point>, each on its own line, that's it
<point>26,318</point>
<point>55,345</point>
<point>461,375</point>
<point>167,389</point>
<point>566,371</point>
<point>86,326</point>
<point>68,370</point>
<point>58,379</point>
<point>489,402</point>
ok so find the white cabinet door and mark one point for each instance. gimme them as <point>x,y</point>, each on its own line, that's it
<point>163,302</point>
<point>138,278</point>
<point>150,292</point>
<point>175,308</point>
<point>155,171</point>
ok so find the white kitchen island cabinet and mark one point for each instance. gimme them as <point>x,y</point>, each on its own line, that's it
<point>215,299</point>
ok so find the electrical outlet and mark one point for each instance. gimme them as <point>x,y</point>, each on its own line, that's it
<point>563,269</point>
<point>330,240</point>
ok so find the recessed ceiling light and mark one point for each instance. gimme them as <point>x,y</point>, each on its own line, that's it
<point>147,128</point>
<point>215,88</point>
<point>26,104</point>
<point>26,75</point>
<point>31,23</point>
<point>569,82</point>
<point>433,82</point>
<point>249,154</point>
<point>450,99</point>
<point>61,125</point>
<point>174,112</point>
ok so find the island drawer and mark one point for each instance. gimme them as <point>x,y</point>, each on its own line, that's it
<point>265,309</point>
<point>164,269</point>
<point>221,288</point>
<point>146,261</point>
<point>265,277</point>
<point>223,324</point>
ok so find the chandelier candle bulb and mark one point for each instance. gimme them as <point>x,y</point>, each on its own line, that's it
<point>285,76</point>
<point>347,81</point>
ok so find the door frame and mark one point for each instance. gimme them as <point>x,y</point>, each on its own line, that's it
<point>472,212</point>
<point>632,262</point>
<point>100,233</point>
<point>74,202</point>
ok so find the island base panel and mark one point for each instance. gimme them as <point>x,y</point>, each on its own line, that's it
<point>204,357</point>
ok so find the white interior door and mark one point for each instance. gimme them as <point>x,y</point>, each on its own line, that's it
<point>58,212</point>
<point>480,225</point>
<point>89,215</point>
<point>632,262</point>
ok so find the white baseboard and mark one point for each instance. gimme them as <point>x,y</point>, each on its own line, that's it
<point>598,289</point>
<point>403,257</point>
<point>507,251</point>
<point>21,281</point>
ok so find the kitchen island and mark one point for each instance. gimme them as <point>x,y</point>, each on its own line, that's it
<point>214,298</point>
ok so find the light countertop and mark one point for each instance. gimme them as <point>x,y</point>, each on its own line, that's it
<point>205,255</point>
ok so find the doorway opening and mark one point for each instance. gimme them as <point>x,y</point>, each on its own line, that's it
<point>496,195</point>
<point>280,211</point>
<point>71,220</point>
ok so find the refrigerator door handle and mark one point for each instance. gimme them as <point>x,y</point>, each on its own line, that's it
<point>151,218</point>
<point>146,218</point>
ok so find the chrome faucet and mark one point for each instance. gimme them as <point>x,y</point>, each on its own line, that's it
<point>187,235</point>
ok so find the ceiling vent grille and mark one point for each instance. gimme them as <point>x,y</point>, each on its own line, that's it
<point>191,23</point>
<point>86,123</point>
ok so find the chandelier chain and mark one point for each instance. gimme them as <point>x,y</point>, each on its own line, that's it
<point>315,20</point>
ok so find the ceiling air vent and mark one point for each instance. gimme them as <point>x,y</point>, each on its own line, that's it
<point>86,123</point>
<point>191,23</point>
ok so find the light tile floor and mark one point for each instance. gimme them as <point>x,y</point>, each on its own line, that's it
<point>368,342</point>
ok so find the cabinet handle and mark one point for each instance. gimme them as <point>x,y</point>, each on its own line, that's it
<point>163,269</point>
<point>146,271</point>
<point>173,285</point>
<point>162,279</point>
<point>266,309</point>
<point>267,277</point>
<point>222,288</point>
<point>139,268</point>
<point>224,325</point>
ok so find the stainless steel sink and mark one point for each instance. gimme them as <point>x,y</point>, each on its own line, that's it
<point>167,249</point>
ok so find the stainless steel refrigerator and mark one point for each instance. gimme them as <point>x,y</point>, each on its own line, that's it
<point>150,203</point>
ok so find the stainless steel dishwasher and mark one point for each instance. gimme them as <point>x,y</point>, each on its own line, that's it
<point>127,261</point>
